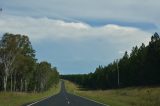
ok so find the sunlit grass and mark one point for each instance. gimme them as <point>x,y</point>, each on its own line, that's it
<point>19,99</point>
<point>134,96</point>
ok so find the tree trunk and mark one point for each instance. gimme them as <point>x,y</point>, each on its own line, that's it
<point>14,85</point>
<point>42,86</point>
<point>25,86</point>
<point>35,88</point>
<point>5,83</point>
<point>21,85</point>
<point>11,83</point>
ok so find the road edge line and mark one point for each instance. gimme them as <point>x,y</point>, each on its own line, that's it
<point>44,98</point>
<point>90,99</point>
<point>39,101</point>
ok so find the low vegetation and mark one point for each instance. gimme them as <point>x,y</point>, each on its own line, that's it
<point>19,98</point>
<point>132,96</point>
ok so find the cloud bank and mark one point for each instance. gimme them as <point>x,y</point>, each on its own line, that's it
<point>39,29</point>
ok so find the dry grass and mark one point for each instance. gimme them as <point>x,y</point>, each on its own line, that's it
<point>139,96</point>
<point>18,99</point>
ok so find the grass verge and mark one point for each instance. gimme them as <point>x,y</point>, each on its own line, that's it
<point>19,99</point>
<point>134,96</point>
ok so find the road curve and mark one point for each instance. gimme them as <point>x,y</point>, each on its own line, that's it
<point>65,99</point>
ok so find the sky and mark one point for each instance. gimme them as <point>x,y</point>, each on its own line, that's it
<point>78,35</point>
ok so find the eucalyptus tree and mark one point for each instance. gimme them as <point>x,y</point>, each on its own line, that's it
<point>19,69</point>
<point>10,47</point>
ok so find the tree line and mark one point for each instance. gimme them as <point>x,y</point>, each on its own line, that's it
<point>139,68</point>
<point>19,69</point>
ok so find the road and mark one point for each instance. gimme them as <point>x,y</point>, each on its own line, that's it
<point>65,99</point>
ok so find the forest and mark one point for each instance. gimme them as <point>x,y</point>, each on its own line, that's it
<point>139,68</point>
<point>20,71</point>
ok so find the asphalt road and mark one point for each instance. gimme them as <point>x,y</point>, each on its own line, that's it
<point>65,99</point>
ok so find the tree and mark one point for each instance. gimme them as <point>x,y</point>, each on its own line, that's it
<point>140,67</point>
<point>19,68</point>
<point>12,46</point>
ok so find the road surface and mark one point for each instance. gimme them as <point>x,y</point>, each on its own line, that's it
<point>65,99</point>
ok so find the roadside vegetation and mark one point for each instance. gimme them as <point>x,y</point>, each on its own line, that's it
<point>22,98</point>
<point>132,80</point>
<point>132,96</point>
<point>22,78</point>
<point>19,69</point>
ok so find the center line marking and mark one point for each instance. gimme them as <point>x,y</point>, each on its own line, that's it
<point>68,102</point>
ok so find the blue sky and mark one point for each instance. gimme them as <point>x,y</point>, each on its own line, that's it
<point>78,35</point>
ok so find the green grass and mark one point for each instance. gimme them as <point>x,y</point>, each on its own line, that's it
<point>134,96</point>
<point>18,98</point>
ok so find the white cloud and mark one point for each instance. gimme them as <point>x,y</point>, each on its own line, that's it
<point>44,28</point>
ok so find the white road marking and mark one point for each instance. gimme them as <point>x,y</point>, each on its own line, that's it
<point>39,101</point>
<point>45,97</point>
<point>68,102</point>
